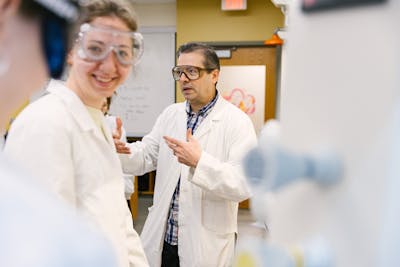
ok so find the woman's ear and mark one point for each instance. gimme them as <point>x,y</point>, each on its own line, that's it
<point>70,57</point>
<point>8,8</point>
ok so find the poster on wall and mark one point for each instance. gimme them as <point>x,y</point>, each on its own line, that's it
<point>244,86</point>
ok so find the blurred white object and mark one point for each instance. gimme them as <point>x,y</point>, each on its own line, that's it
<point>283,5</point>
<point>340,87</point>
<point>390,239</point>
<point>254,250</point>
<point>37,230</point>
<point>270,166</point>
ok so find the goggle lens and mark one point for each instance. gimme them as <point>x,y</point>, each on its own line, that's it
<point>97,43</point>
<point>191,72</point>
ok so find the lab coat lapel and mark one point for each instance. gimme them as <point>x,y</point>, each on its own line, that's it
<point>77,109</point>
<point>107,132</point>
<point>204,127</point>
<point>210,120</point>
<point>182,124</point>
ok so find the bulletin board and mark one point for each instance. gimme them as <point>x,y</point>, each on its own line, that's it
<point>150,87</point>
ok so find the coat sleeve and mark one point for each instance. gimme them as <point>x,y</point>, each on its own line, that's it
<point>223,176</point>
<point>144,154</point>
<point>41,145</point>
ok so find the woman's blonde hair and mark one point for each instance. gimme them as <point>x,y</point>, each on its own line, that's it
<point>104,8</point>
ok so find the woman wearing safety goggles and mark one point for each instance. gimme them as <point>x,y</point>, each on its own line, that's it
<point>64,136</point>
<point>96,43</point>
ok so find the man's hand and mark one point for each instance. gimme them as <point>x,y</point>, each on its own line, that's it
<point>188,152</point>
<point>117,133</point>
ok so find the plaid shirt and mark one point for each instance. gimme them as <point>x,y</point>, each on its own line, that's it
<point>193,122</point>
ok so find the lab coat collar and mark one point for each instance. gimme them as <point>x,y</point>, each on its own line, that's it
<point>214,117</point>
<point>76,107</point>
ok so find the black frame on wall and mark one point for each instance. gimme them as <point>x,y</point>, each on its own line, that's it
<point>319,5</point>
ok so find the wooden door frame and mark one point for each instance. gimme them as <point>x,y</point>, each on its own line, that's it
<point>273,65</point>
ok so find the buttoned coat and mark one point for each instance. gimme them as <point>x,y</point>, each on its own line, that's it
<point>209,193</point>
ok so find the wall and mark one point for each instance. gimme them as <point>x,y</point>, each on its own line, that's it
<point>156,15</point>
<point>204,21</point>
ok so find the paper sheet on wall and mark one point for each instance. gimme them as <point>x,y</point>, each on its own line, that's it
<point>244,86</point>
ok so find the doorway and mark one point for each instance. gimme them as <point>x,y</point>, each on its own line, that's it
<point>269,56</point>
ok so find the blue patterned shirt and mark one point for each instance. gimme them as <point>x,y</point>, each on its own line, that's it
<point>193,122</point>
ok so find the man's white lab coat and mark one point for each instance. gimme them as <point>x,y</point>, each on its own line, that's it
<point>56,139</point>
<point>209,193</point>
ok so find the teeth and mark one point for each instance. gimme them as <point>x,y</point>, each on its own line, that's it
<point>104,80</point>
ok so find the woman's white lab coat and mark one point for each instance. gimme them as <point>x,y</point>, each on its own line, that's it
<point>209,193</point>
<point>128,178</point>
<point>57,139</point>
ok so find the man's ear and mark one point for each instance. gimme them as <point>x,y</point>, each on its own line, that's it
<point>215,76</point>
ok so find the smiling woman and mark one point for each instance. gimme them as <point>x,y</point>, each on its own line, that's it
<point>65,138</point>
<point>102,59</point>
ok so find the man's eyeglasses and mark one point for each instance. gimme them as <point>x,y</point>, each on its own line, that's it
<point>191,72</point>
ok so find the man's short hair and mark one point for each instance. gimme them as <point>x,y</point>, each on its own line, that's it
<point>211,60</point>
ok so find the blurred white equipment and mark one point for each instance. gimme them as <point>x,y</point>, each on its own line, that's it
<point>340,87</point>
<point>270,166</point>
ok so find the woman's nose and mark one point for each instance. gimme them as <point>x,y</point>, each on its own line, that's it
<point>110,62</point>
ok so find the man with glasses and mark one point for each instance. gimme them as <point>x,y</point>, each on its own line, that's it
<point>197,148</point>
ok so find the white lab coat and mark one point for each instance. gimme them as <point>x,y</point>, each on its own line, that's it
<point>128,178</point>
<point>209,193</point>
<point>38,230</point>
<point>57,139</point>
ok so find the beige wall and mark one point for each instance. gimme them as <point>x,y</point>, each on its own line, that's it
<point>204,21</point>
<point>156,15</point>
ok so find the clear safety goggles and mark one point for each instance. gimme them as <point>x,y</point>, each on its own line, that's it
<point>96,44</point>
<point>191,72</point>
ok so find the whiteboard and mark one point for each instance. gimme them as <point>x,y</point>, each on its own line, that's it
<point>150,87</point>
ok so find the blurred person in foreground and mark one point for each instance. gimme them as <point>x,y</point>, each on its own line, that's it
<point>36,229</point>
<point>63,137</point>
<point>197,148</point>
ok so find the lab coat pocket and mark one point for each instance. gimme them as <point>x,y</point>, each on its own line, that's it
<point>218,215</point>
